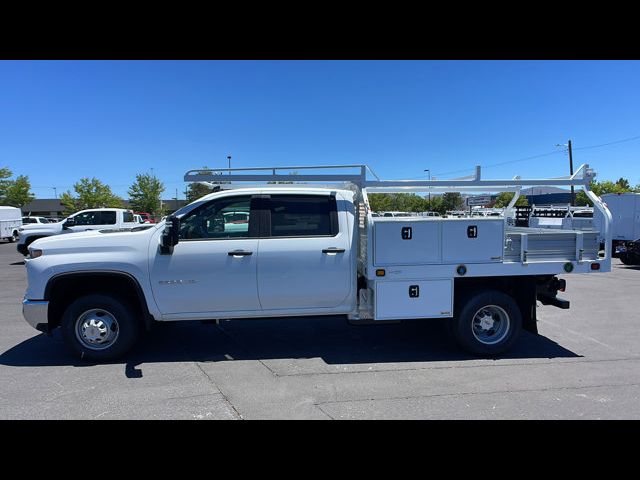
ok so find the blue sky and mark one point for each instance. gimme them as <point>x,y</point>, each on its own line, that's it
<point>63,120</point>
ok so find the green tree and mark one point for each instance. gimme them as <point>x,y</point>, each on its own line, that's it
<point>402,202</point>
<point>379,202</point>
<point>452,201</point>
<point>197,190</point>
<point>91,193</point>
<point>145,194</point>
<point>436,205</point>
<point>623,183</point>
<point>503,199</point>
<point>5,173</point>
<point>17,193</point>
<point>600,188</point>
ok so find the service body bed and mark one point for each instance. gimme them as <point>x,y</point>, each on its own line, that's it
<point>415,261</point>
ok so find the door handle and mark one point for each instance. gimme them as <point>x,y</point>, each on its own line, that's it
<point>239,253</point>
<point>333,250</point>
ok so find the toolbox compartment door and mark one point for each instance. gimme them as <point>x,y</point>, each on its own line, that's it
<point>472,240</point>
<point>414,299</point>
<point>407,242</point>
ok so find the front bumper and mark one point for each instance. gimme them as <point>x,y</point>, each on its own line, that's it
<point>36,313</point>
<point>22,248</point>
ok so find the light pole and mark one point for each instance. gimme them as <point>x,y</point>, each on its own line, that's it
<point>229,160</point>
<point>573,193</point>
<point>427,170</point>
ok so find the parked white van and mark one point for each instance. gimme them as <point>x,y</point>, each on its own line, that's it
<point>10,223</point>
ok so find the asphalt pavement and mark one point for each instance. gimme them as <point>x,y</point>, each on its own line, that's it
<point>584,364</point>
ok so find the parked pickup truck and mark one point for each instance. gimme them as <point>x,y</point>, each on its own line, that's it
<point>93,219</point>
<point>277,250</point>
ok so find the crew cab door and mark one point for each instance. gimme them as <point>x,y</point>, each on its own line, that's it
<point>213,267</point>
<point>305,256</point>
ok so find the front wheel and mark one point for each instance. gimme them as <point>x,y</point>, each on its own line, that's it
<point>489,323</point>
<point>100,327</point>
<point>14,237</point>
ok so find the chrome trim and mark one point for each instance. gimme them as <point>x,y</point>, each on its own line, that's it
<point>36,313</point>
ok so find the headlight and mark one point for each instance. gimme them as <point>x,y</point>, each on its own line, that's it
<point>35,253</point>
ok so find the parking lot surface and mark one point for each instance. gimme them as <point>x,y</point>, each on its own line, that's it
<point>585,364</point>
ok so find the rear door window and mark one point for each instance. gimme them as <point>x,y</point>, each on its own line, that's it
<point>303,216</point>
<point>96,217</point>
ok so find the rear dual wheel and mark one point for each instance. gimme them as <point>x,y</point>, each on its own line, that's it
<point>630,258</point>
<point>488,323</point>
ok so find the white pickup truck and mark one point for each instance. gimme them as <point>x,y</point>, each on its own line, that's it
<point>277,250</point>
<point>93,219</point>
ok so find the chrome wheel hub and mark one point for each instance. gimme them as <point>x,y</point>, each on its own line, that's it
<point>97,329</point>
<point>490,324</point>
<point>486,322</point>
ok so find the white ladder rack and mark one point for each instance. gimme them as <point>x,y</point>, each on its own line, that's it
<point>582,177</point>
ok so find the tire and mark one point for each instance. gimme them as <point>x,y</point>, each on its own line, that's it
<point>630,258</point>
<point>488,323</point>
<point>30,240</point>
<point>13,238</point>
<point>100,327</point>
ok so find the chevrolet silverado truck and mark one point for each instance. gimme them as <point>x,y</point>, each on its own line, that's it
<point>93,219</point>
<point>274,250</point>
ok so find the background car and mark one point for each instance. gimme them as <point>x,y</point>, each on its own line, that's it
<point>29,220</point>
<point>146,217</point>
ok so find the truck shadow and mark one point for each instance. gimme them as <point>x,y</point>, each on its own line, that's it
<point>332,340</point>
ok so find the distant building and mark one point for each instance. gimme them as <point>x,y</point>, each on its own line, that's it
<point>549,199</point>
<point>43,207</point>
<point>52,207</point>
<point>546,195</point>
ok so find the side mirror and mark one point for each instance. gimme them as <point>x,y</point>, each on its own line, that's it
<point>170,236</point>
<point>69,222</point>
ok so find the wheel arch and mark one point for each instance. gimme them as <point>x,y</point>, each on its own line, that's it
<point>64,288</point>
<point>521,288</point>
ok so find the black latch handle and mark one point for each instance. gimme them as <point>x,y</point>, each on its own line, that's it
<point>240,253</point>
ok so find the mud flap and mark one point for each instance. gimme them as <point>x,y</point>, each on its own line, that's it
<point>526,296</point>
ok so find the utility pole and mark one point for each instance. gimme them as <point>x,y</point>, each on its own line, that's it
<point>573,193</point>
<point>427,170</point>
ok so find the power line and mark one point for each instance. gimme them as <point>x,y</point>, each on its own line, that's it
<point>501,163</point>
<point>629,139</point>
<point>610,143</point>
